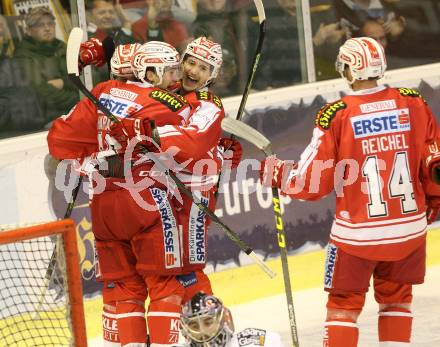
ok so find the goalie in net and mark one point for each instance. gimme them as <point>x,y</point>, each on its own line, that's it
<point>206,322</point>
<point>34,312</point>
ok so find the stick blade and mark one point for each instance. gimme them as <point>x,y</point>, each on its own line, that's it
<point>260,10</point>
<point>72,52</point>
<point>240,129</point>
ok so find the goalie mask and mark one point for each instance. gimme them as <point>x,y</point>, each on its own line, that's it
<point>364,56</point>
<point>157,55</point>
<point>207,51</point>
<point>120,64</point>
<point>205,322</point>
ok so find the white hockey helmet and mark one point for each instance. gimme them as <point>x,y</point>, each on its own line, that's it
<point>206,322</point>
<point>365,58</point>
<point>207,51</point>
<point>154,54</point>
<point>120,63</point>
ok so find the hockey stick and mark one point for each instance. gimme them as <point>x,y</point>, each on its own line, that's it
<point>256,60</point>
<point>72,69</point>
<point>248,133</point>
<point>69,209</point>
<point>73,47</point>
<point>252,70</point>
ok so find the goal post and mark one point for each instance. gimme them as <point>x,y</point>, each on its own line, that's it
<point>36,310</point>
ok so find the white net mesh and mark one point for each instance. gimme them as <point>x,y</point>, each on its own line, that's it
<point>34,304</point>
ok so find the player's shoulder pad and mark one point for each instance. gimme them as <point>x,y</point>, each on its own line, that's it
<point>411,93</point>
<point>326,114</point>
<point>173,101</point>
<point>208,96</point>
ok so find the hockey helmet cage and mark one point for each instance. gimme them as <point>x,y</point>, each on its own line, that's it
<point>154,54</point>
<point>206,322</point>
<point>208,51</point>
<point>364,56</point>
<point>120,63</point>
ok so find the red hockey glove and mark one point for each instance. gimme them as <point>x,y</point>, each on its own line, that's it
<point>271,172</point>
<point>129,128</point>
<point>432,209</point>
<point>91,52</point>
<point>431,161</point>
<point>233,150</point>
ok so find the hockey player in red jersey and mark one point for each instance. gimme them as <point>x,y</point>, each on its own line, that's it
<point>130,239</point>
<point>369,148</point>
<point>120,68</point>
<point>201,62</point>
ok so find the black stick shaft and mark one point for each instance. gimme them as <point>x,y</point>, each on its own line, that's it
<point>285,265</point>
<point>252,71</point>
<point>249,83</point>
<point>67,214</point>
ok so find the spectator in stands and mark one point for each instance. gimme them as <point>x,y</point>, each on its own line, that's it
<point>376,30</point>
<point>107,20</point>
<point>6,43</point>
<point>133,10</point>
<point>158,24</point>
<point>280,64</point>
<point>42,60</point>
<point>217,20</point>
<point>19,110</point>
<point>354,13</point>
<point>326,41</point>
<point>184,11</point>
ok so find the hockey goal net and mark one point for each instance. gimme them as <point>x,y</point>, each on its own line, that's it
<point>40,307</point>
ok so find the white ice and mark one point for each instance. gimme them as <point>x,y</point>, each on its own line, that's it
<point>271,314</point>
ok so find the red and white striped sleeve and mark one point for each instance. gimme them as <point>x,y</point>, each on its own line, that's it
<point>313,177</point>
<point>197,136</point>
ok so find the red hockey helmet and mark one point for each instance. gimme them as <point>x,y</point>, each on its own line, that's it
<point>120,64</point>
<point>364,56</point>
<point>207,51</point>
<point>155,54</point>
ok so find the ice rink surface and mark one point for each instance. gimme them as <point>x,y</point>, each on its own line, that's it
<point>271,314</point>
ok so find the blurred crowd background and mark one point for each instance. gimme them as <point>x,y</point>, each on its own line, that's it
<point>34,88</point>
